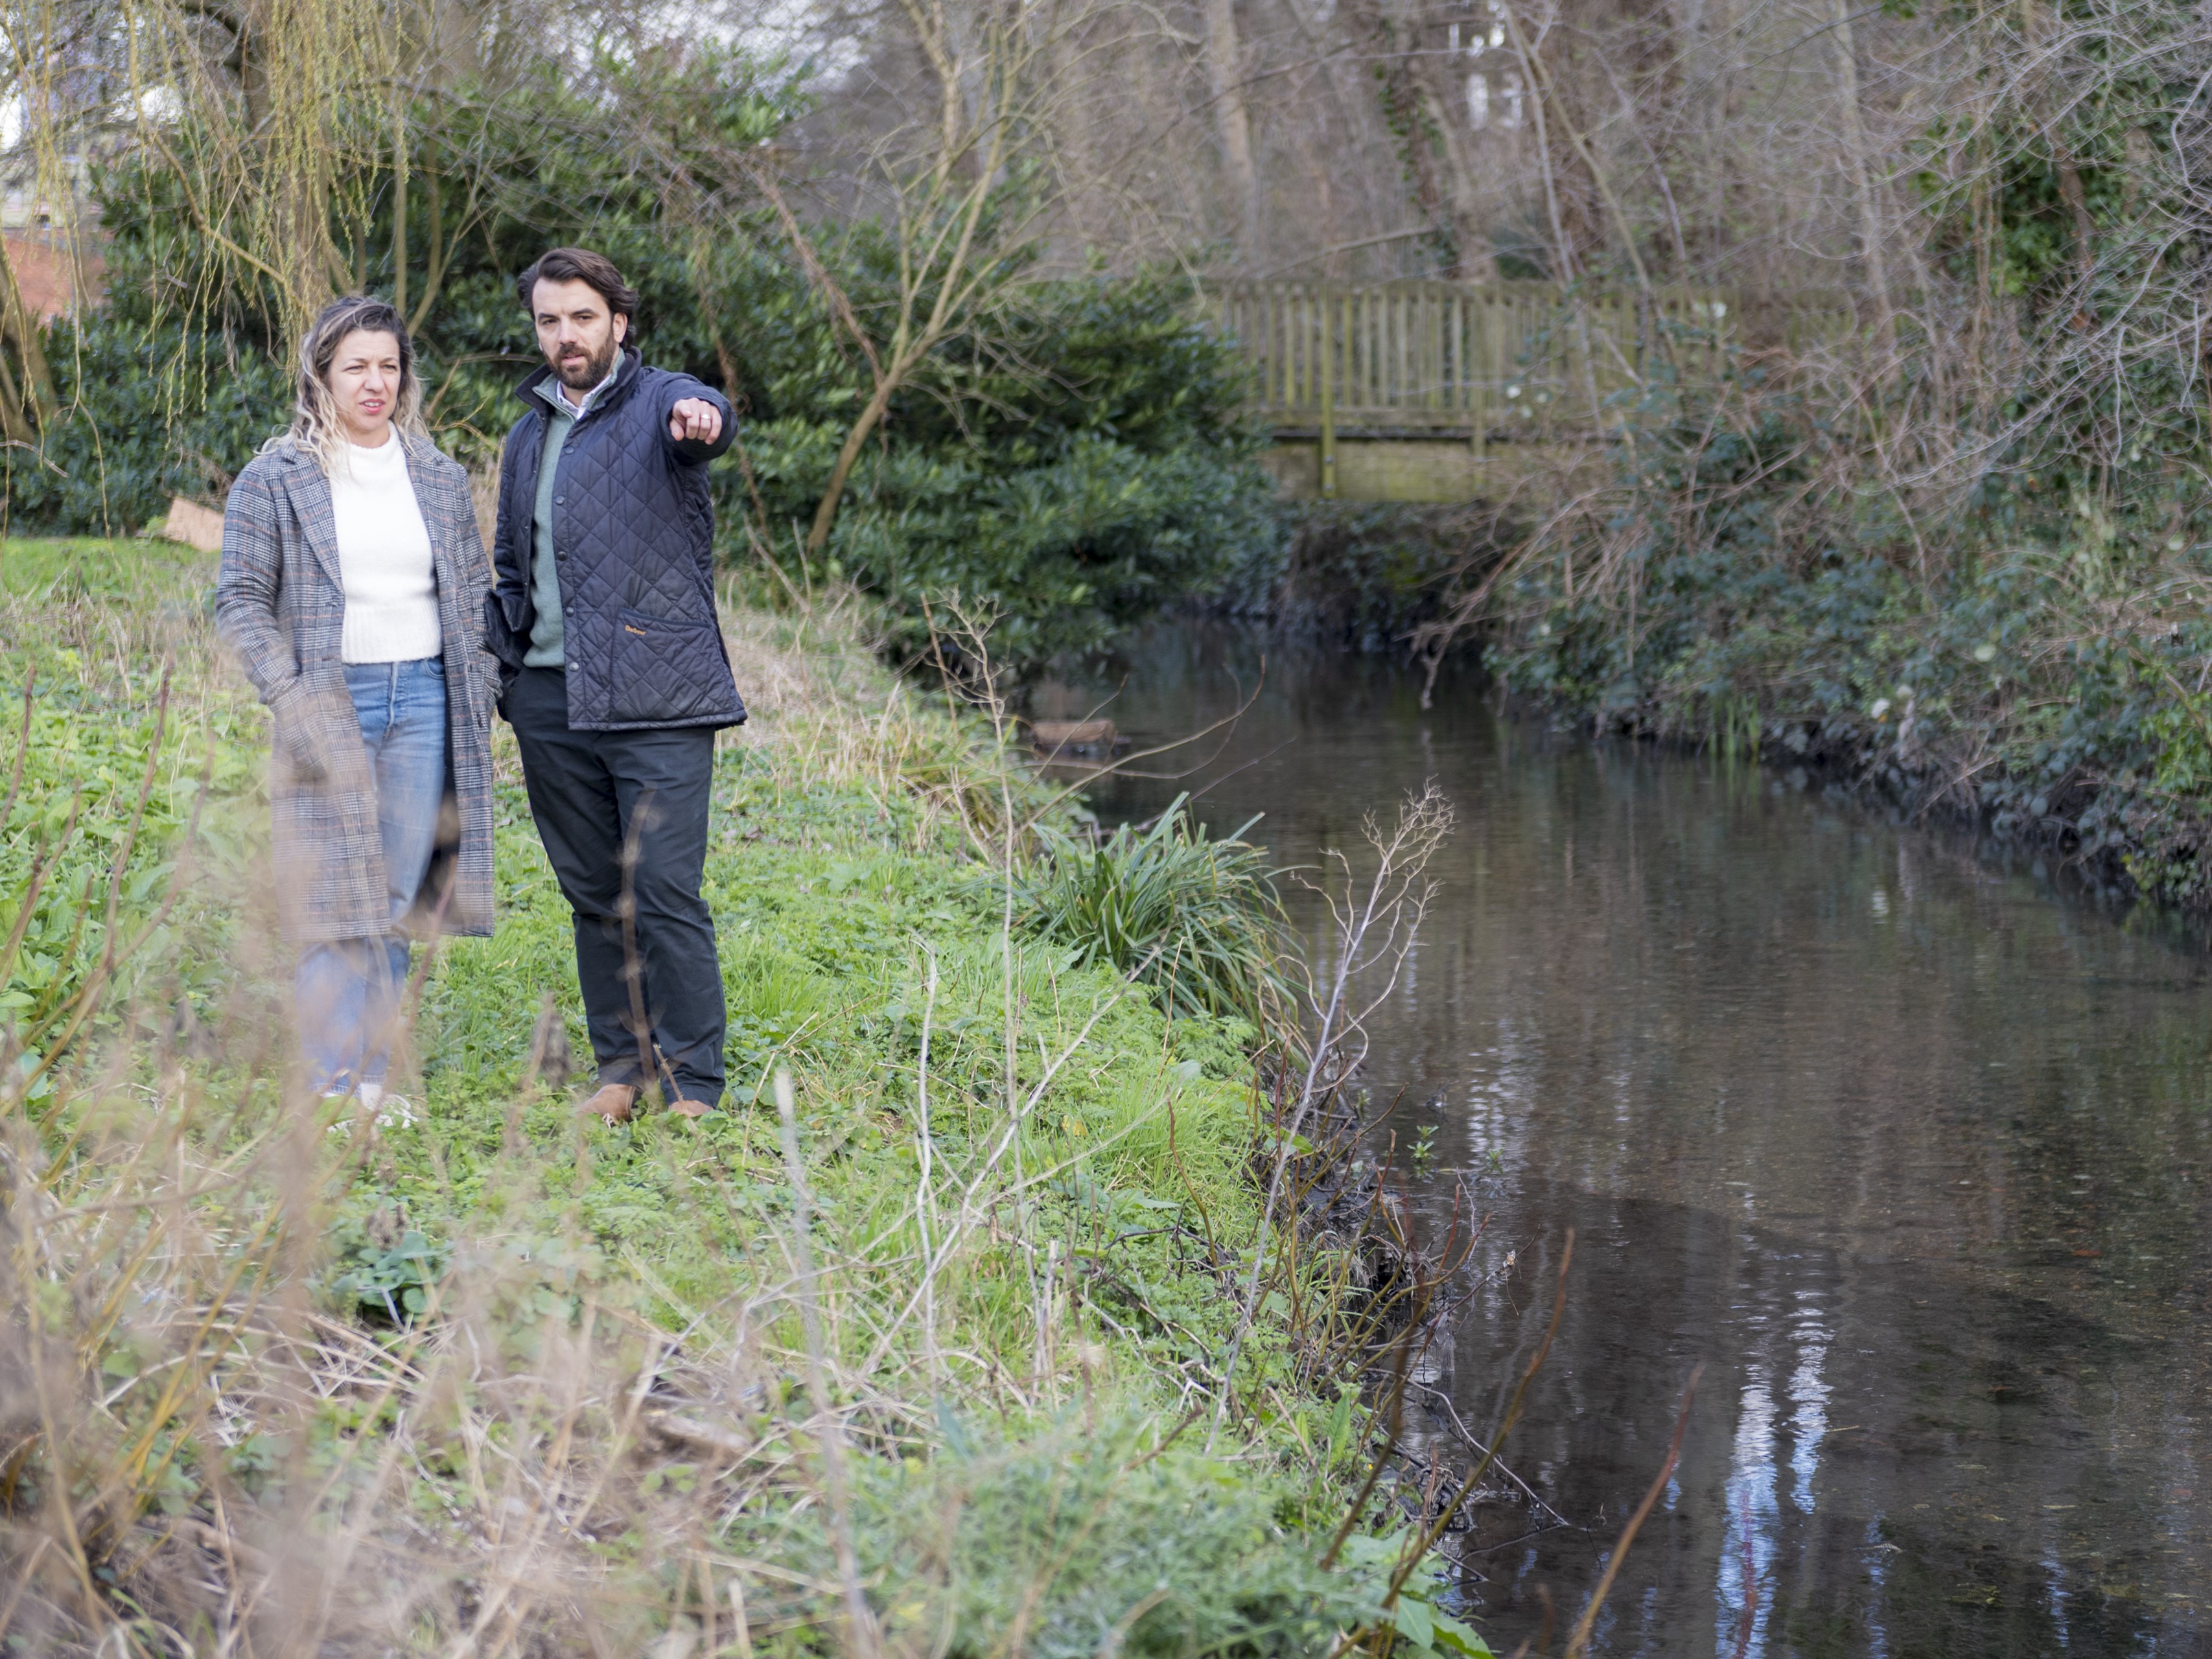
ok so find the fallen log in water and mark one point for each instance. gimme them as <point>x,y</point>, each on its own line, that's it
<point>1055,739</point>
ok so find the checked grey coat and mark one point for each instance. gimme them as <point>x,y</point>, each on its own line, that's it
<point>279,605</point>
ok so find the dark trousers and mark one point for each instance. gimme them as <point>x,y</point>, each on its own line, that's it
<point>590,792</point>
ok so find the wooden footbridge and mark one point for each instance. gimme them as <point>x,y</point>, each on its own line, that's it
<point>1444,391</point>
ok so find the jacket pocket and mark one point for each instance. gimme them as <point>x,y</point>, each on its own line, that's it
<point>318,734</point>
<point>500,637</point>
<point>500,642</point>
<point>668,669</point>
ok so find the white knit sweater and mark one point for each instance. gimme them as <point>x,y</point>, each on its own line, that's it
<point>384,560</point>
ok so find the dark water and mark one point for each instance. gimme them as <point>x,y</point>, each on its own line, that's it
<point>1907,1147</point>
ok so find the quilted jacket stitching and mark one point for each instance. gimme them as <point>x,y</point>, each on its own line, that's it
<point>633,529</point>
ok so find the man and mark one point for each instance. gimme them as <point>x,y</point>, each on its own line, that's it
<point>614,675</point>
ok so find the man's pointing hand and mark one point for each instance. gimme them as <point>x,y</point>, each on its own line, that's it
<point>697,419</point>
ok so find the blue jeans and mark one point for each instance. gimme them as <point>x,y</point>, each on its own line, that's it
<point>347,992</point>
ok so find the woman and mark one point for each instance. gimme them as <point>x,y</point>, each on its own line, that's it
<point>353,583</point>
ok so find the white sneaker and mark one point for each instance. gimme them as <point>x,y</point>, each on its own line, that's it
<point>393,1111</point>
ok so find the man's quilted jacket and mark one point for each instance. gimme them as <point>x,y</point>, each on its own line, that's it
<point>633,541</point>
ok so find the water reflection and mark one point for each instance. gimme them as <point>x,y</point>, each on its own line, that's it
<point>1905,1150</point>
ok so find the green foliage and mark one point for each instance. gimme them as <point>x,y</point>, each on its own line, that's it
<point>1423,1627</point>
<point>519,1280</point>
<point>384,1268</point>
<point>1072,463</point>
<point>1068,475</point>
<point>2022,232</point>
<point>1196,917</point>
<point>1104,1535</point>
<point>1089,1537</point>
<point>1063,555</point>
<point>1423,1154</point>
<point>98,800</point>
<point>1365,574</point>
<point>2056,662</point>
<point>149,410</point>
<point>2064,229</point>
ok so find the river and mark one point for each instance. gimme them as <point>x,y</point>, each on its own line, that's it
<point>1900,1138</point>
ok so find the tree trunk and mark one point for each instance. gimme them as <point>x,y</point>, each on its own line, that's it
<point>434,278</point>
<point>1224,76</point>
<point>33,395</point>
<point>2077,211</point>
<point>1472,257</point>
<point>1549,65</point>
<point>1855,157</point>
<point>399,182</point>
<point>15,419</point>
<point>252,66</point>
<point>825,511</point>
<point>1407,110</point>
<point>1074,120</point>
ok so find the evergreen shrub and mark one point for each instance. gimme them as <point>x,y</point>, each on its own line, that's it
<point>1066,468</point>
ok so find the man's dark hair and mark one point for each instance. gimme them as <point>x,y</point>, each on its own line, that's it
<point>581,265</point>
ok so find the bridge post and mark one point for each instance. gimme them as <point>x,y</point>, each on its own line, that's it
<point>1473,391</point>
<point>1329,399</point>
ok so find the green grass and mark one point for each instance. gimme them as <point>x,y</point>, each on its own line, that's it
<point>1197,918</point>
<point>75,567</point>
<point>94,631</point>
<point>504,1375</point>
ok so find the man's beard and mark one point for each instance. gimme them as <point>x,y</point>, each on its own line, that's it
<point>593,371</point>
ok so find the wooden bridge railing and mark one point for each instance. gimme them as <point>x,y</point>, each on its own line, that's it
<point>1487,361</point>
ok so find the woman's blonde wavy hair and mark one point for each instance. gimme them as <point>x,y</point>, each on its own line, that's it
<point>316,428</point>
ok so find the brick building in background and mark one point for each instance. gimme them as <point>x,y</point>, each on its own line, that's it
<point>56,265</point>
<point>50,280</point>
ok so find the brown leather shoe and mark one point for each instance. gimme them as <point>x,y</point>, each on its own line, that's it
<point>690,1108</point>
<point>613,1103</point>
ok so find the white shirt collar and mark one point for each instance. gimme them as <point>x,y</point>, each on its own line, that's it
<point>576,407</point>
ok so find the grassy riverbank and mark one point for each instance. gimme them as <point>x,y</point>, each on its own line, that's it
<point>485,1377</point>
<point>2033,665</point>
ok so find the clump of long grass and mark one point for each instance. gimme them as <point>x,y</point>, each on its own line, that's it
<point>1118,1539</point>
<point>1195,916</point>
<point>827,716</point>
